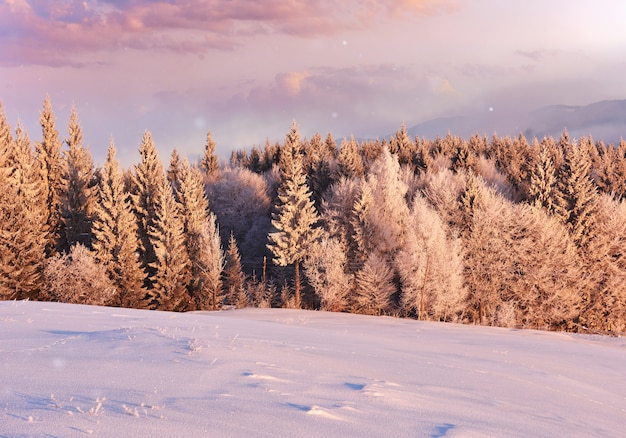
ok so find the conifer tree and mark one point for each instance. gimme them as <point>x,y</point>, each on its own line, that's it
<point>77,196</point>
<point>50,164</point>
<point>209,163</point>
<point>173,171</point>
<point>21,245</point>
<point>115,235</point>
<point>234,277</point>
<point>171,266</point>
<point>374,287</point>
<point>147,179</point>
<point>580,195</point>
<point>402,146</point>
<point>29,235</point>
<point>295,218</point>
<point>202,240</point>
<point>349,160</point>
<point>543,190</point>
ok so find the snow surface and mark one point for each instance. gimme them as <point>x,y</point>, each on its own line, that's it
<point>69,370</point>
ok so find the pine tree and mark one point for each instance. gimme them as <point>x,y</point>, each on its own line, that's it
<point>402,146</point>
<point>349,160</point>
<point>543,190</point>
<point>234,277</point>
<point>374,287</point>
<point>202,240</point>
<point>173,171</point>
<point>77,196</point>
<point>209,163</point>
<point>51,166</point>
<point>295,217</point>
<point>147,179</point>
<point>24,248</point>
<point>115,234</point>
<point>171,267</point>
<point>580,195</point>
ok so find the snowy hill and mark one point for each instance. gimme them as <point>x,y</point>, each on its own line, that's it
<point>70,370</point>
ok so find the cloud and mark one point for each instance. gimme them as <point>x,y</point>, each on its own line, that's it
<point>52,32</point>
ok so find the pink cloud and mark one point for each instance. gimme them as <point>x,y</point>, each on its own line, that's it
<point>56,32</point>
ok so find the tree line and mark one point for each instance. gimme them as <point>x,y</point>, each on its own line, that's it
<point>494,231</point>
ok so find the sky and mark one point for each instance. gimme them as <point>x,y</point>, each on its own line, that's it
<point>245,69</point>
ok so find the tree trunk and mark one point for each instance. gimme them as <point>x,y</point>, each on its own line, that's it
<point>297,283</point>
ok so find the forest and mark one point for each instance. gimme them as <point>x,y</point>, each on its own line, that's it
<point>501,231</point>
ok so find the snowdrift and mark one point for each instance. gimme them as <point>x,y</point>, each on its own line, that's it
<point>69,370</point>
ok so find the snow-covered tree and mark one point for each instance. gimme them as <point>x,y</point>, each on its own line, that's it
<point>295,218</point>
<point>381,211</point>
<point>374,287</point>
<point>202,239</point>
<point>148,178</point>
<point>234,278</point>
<point>76,277</point>
<point>172,267</point>
<point>23,235</point>
<point>325,267</point>
<point>115,234</point>
<point>51,167</point>
<point>430,266</point>
<point>78,196</point>
<point>209,163</point>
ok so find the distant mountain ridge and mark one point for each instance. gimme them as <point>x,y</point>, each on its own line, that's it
<point>604,120</point>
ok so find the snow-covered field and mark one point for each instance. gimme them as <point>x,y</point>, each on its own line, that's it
<point>68,370</point>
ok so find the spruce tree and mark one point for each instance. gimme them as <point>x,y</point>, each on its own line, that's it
<point>295,218</point>
<point>543,190</point>
<point>51,168</point>
<point>374,287</point>
<point>349,160</point>
<point>148,177</point>
<point>209,163</point>
<point>77,196</point>
<point>25,178</point>
<point>171,266</point>
<point>202,240</point>
<point>115,234</point>
<point>234,277</point>
<point>580,195</point>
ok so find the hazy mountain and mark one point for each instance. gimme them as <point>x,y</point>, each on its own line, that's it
<point>603,120</point>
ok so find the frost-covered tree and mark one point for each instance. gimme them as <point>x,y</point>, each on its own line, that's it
<point>115,234</point>
<point>76,277</point>
<point>51,167</point>
<point>202,239</point>
<point>295,219</point>
<point>402,146</point>
<point>580,194</point>
<point>148,178</point>
<point>543,190</point>
<point>381,211</point>
<point>23,229</point>
<point>374,287</point>
<point>240,199</point>
<point>234,278</point>
<point>209,163</point>
<point>325,267</point>
<point>78,195</point>
<point>430,266</point>
<point>349,160</point>
<point>171,266</point>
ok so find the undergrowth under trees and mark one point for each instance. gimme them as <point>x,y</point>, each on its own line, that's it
<point>502,231</point>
